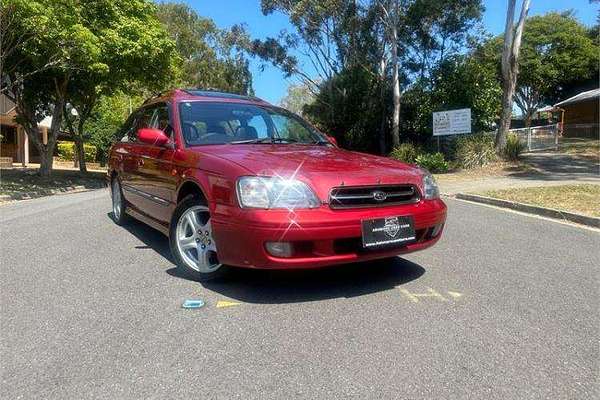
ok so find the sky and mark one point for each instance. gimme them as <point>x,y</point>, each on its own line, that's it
<point>271,85</point>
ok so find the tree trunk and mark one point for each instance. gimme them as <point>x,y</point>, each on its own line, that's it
<point>396,87</point>
<point>508,90</point>
<point>528,118</point>
<point>510,58</point>
<point>80,153</point>
<point>382,68</point>
<point>46,160</point>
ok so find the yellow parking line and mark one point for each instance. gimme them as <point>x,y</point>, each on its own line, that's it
<point>224,303</point>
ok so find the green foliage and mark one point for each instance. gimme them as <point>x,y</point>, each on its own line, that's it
<point>433,162</point>
<point>513,149</point>
<point>558,58</point>
<point>344,108</point>
<point>556,49</point>
<point>406,152</point>
<point>104,124</point>
<point>209,56</point>
<point>66,151</point>
<point>297,97</point>
<point>74,52</point>
<point>474,150</point>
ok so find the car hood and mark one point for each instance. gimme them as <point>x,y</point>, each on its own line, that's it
<point>322,167</point>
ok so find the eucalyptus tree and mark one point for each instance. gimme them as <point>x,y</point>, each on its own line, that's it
<point>513,34</point>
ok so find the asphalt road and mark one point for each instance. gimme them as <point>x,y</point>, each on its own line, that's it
<point>504,307</point>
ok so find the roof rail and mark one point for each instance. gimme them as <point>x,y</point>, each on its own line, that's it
<point>211,92</point>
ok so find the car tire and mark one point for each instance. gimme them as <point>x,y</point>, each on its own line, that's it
<point>190,224</point>
<point>119,204</point>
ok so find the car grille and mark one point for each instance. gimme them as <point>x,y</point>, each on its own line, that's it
<point>372,196</point>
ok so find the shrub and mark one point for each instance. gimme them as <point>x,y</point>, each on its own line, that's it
<point>513,148</point>
<point>475,150</point>
<point>66,151</point>
<point>433,162</point>
<point>406,152</point>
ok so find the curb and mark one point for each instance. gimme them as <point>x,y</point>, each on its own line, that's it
<point>49,192</point>
<point>545,212</point>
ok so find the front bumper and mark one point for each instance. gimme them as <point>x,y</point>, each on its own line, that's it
<point>321,237</point>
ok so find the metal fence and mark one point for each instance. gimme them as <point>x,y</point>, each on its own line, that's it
<point>538,137</point>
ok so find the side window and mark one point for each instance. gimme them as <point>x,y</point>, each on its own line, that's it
<point>258,123</point>
<point>161,120</point>
<point>144,119</point>
<point>127,130</point>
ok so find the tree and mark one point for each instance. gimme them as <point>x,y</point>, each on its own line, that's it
<point>391,19</point>
<point>460,81</point>
<point>210,56</point>
<point>356,114</point>
<point>97,46</point>
<point>106,119</point>
<point>557,50</point>
<point>378,36</point>
<point>133,25</point>
<point>510,58</point>
<point>297,97</point>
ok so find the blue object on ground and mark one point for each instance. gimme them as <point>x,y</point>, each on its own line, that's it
<point>192,304</point>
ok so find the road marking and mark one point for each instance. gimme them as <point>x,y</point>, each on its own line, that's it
<point>414,297</point>
<point>455,295</point>
<point>224,303</point>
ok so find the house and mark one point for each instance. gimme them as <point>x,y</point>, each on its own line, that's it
<point>15,144</point>
<point>581,114</point>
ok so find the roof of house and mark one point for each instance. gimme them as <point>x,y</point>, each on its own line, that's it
<point>6,105</point>
<point>583,96</point>
<point>546,109</point>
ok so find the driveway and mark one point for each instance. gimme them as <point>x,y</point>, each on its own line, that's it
<point>505,306</point>
<point>548,169</point>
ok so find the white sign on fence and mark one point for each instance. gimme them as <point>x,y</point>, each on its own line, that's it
<point>452,122</point>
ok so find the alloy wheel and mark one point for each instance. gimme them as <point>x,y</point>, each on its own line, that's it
<point>194,240</point>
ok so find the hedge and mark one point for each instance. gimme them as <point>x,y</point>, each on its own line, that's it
<point>66,151</point>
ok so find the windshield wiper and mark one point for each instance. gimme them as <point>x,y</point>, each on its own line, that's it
<point>321,142</point>
<point>261,140</point>
<point>265,140</point>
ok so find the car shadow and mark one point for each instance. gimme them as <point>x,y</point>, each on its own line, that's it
<point>292,286</point>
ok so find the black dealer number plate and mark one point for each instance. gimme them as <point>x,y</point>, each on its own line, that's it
<point>388,231</point>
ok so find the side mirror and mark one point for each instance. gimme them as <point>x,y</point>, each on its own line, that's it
<point>153,136</point>
<point>332,140</point>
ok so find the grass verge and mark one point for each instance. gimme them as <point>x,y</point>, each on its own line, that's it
<point>580,147</point>
<point>24,183</point>
<point>580,199</point>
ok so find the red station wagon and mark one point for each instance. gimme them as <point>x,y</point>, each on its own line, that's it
<point>235,181</point>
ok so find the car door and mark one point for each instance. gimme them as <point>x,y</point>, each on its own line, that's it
<point>126,157</point>
<point>155,166</point>
<point>132,179</point>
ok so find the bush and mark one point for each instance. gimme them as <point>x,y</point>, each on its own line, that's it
<point>513,148</point>
<point>474,150</point>
<point>406,152</point>
<point>66,151</point>
<point>433,162</point>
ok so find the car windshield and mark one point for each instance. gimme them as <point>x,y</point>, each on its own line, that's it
<point>205,123</point>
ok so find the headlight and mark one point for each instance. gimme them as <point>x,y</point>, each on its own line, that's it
<point>430,187</point>
<point>273,192</point>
